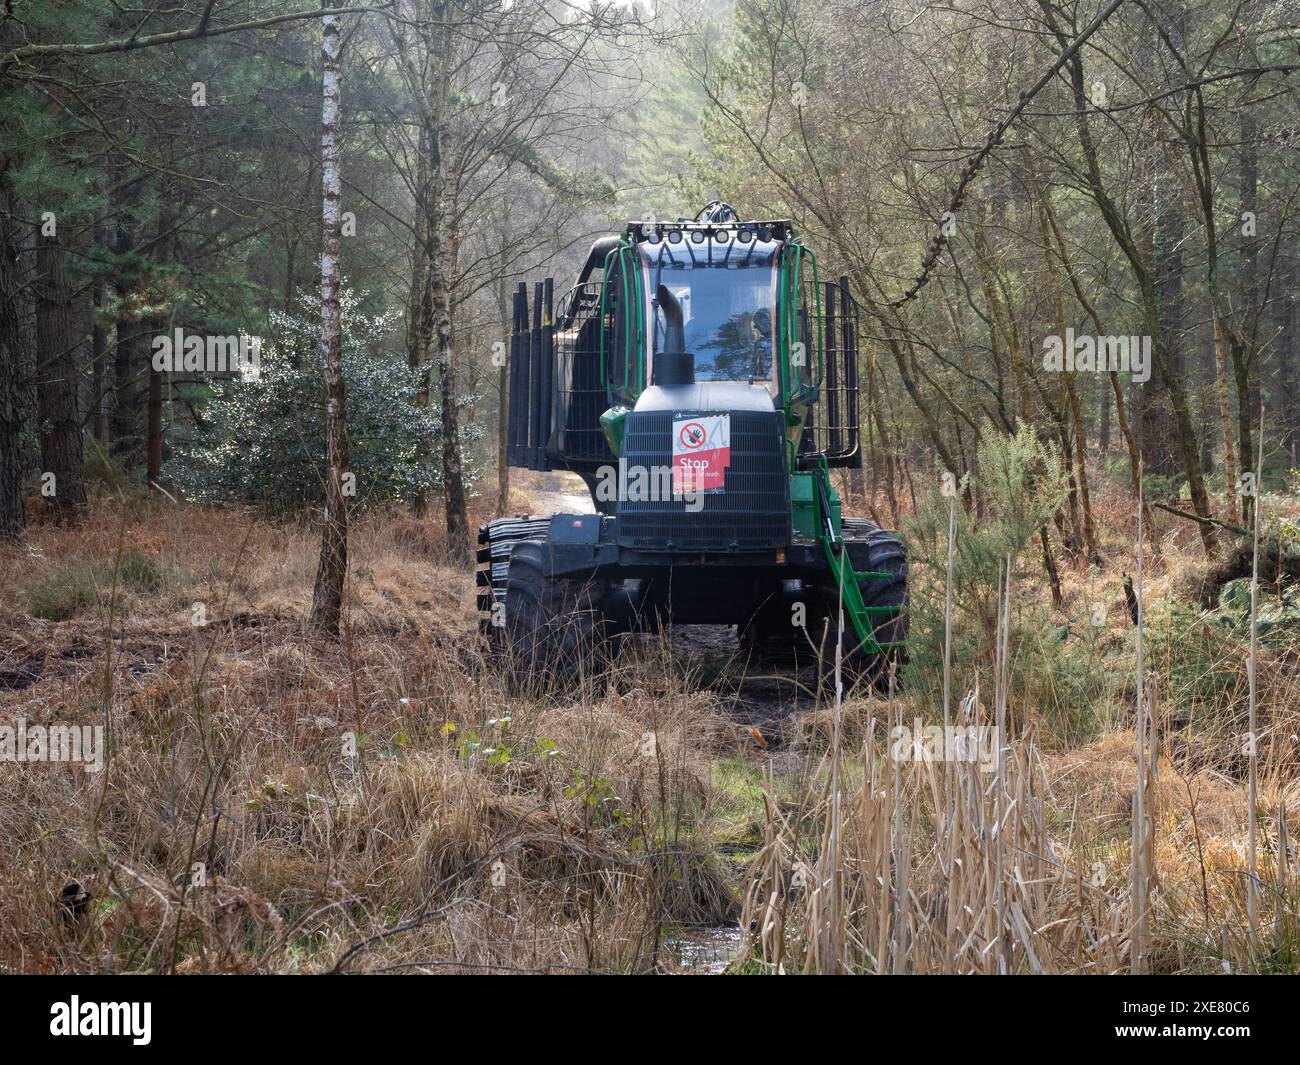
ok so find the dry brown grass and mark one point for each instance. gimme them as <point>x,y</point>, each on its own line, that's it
<point>933,868</point>
<point>429,849</point>
<point>228,749</point>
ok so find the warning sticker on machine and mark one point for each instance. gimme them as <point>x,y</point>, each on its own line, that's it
<point>701,452</point>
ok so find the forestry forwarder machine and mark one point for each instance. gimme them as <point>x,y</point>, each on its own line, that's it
<point>707,361</point>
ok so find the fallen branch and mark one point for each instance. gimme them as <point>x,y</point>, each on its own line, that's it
<point>1204,521</point>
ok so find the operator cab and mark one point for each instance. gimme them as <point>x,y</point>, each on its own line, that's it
<point>712,326</point>
<point>726,278</point>
<point>724,284</point>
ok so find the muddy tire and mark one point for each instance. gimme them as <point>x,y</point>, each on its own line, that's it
<point>554,631</point>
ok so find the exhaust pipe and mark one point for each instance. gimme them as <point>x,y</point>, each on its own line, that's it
<point>674,365</point>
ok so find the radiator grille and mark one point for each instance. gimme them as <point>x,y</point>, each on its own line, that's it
<point>751,514</point>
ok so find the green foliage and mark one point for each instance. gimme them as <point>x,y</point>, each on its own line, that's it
<point>263,439</point>
<point>1161,486</point>
<point>1277,620</point>
<point>1021,483</point>
<point>140,572</point>
<point>1202,655</point>
<point>597,795</point>
<point>1203,669</point>
<point>737,805</point>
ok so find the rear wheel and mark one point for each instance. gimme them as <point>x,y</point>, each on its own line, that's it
<point>496,541</point>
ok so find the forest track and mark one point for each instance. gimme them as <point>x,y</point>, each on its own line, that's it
<point>554,493</point>
<point>757,693</point>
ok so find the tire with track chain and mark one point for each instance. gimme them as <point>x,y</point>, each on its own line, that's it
<point>554,630</point>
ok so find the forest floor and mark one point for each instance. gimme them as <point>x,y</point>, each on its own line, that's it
<point>276,801</point>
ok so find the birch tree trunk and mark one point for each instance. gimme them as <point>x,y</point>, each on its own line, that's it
<point>453,477</point>
<point>327,597</point>
<point>1139,256</point>
<point>442,243</point>
<point>503,398</point>
<point>419,310</point>
<point>1225,416</point>
<point>1076,441</point>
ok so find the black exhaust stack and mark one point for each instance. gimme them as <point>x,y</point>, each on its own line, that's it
<point>674,365</point>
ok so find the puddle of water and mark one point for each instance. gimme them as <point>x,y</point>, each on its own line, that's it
<point>707,951</point>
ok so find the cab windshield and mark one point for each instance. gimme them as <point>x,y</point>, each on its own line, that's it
<point>727,290</point>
